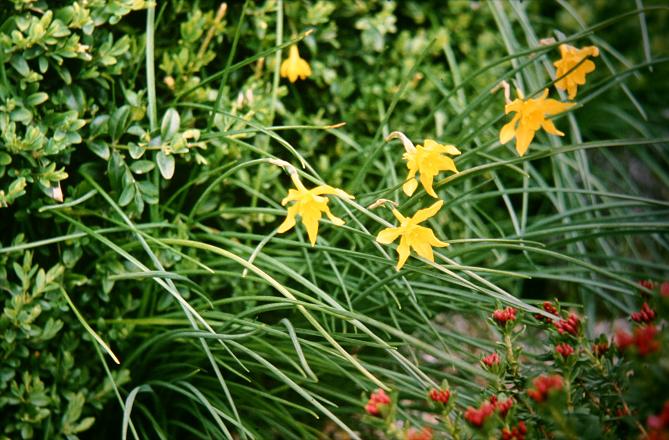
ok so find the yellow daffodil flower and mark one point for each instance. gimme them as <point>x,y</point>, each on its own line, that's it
<point>531,116</point>
<point>429,160</point>
<point>420,238</point>
<point>295,67</point>
<point>309,204</point>
<point>571,56</point>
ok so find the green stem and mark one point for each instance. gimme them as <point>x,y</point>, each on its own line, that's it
<point>510,357</point>
<point>152,109</point>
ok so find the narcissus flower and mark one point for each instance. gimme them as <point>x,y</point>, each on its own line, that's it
<point>309,204</point>
<point>420,238</point>
<point>428,160</point>
<point>572,56</point>
<point>531,116</point>
<point>294,66</point>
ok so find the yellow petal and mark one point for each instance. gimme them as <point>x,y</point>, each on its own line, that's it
<point>388,235</point>
<point>289,222</point>
<point>587,66</point>
<point>310,218</point>
<point>433,240</point>
<point>426,180</point>
<point>323,190</point>
<point>303,69</point>
<point>292,73</point>
<point>553,107</point>
<point>398,215</point>
<point>524,137</point>
<point>343,194</point>
<point>334,219</point>
<point>508,131</point>
<point>410,186</point>
<point>561,84</point>
<point>514,106</point>
<point>445,163</point>
<point>452,150</point>
<point>424,214</point>
<point>284,68</point>
<point>432,145</point>
<point>403,251</point>
<point>550,128</point>
<point>424,250</point>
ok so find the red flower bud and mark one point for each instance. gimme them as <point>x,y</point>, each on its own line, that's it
<point>643,339</point>
<point>502,316</point>
<point>423,434</point>
<point>646,314</point>
<point>441,396</point>
<point>600,348</point>
<point>570,325</point>
<point>491,360</point>
<point>664,289</point>
<point>550,308</point>
<point>377,399</point>
<point>477,417</point>
<point>564,349</point>
<point>623,339</point>
<point>516,433</point>
<point>545,385</point>
<point>648,284</point>
<point>503,406</point>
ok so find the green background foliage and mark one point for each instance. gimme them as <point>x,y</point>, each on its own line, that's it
<point>137,186</point>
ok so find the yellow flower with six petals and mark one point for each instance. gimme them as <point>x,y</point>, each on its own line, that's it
<point>309,204</point>
<point>428,160</point>
<point>420,238</point>
<point>531,116</point>
<point>295,67</point>
<point>571,56</point>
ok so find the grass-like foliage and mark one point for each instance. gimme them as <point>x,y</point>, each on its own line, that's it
<point>241,220</point>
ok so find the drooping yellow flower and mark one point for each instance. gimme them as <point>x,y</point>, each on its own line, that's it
<point>428,160</point>
<point>295,67</point>
<point>531,116</point>
<point>309,204</point>
<point>420,238</point>
<point>571,56</point>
